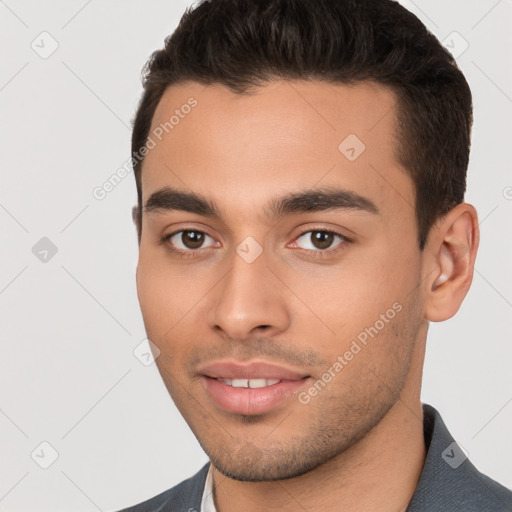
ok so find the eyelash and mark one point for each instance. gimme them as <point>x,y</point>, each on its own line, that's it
<point>192,253</point>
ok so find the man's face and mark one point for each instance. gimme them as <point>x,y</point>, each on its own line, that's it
<point>316,310</point>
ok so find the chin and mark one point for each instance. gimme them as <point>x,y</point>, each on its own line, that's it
<point>250,463</point>
<point>262,472</point>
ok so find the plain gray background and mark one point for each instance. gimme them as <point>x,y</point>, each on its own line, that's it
<point>71,323</point>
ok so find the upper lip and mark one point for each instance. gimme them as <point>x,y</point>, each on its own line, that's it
<point>251,370</point>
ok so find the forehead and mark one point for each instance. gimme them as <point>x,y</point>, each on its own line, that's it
<point>285,135</point>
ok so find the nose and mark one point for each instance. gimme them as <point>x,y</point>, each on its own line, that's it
<point>250,301</point>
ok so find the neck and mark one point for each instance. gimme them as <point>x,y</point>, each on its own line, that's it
<point>379,472</point>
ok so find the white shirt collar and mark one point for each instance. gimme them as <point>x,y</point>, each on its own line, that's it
<point>207,504</point>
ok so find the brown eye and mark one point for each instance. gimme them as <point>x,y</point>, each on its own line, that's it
<point>187,240</point>
<point>319,240</point>
<point>322,239</point>
<point>192,239</point>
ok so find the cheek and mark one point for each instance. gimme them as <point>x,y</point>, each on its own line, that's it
<point>364,296</point>
<point>161,308</point>
<point>172,297</point>
<point>155,290</point>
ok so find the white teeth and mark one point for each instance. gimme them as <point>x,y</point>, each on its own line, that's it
<point>250,383</point>
<point>258,383</point>
<point>262,383</point>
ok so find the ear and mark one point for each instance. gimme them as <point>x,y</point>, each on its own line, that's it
<point>136,221</point>
<point>449,262</point>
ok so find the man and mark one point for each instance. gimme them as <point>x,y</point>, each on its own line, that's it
<point>301,170</point>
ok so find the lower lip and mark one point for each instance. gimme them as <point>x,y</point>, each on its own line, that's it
<point>250,400</point>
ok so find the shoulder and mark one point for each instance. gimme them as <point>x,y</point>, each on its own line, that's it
<point>449,481</point>
<point>184,497</point>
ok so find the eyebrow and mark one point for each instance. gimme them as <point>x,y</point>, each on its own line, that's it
<point>311,200</point>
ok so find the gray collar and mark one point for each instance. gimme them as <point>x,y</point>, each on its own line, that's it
<point>449,481</point>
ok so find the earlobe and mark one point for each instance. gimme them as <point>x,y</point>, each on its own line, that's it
<point>452,250</point>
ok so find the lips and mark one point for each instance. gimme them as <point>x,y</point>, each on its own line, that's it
<point>251,388</point>
<point>252,370</point>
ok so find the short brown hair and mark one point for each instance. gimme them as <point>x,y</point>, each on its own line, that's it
<point>244,43</point>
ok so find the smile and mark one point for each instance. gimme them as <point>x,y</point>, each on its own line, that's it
<point>250,383</point>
